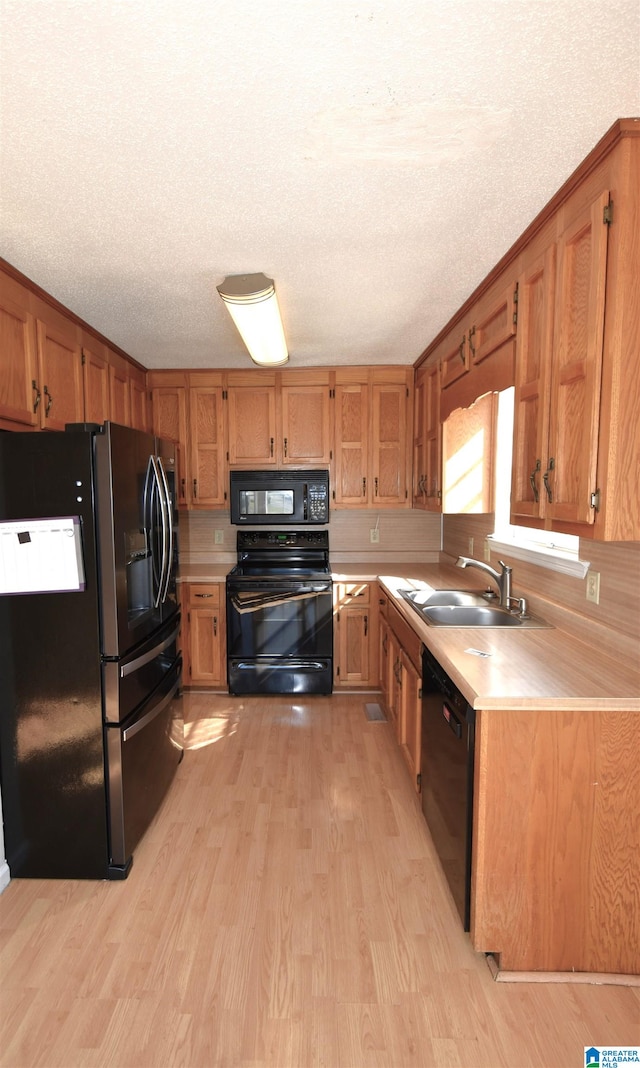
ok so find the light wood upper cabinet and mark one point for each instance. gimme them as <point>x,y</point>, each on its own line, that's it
<point>493,322</point>
<point>305,434</point>
<point>351,422</point>
<point>455,360</point>
<point>576,369</point>
<point>20,396</point>
<point>536,289</point>
<point>207,446</point>
<point>251,417</point>
<point>119,396</point>
<point>139,406</point>
<point>60,371</point>
<point>169,404</point>
<point>372,437</point>
<point>95,383</point>
<point>559,372</point>
<point>427,475</point>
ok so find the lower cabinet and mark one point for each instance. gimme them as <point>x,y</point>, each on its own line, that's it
<point>401,682</point>
<point>203,638</point>
<point>355,614</point>
<point>556,831</point>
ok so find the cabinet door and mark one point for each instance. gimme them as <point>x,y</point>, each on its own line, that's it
<point>252,424</point>
<point>207,446</point>
<point>20,392</point>
<point>494,322</point>
<point>206,629</point>
<point>351,482</point>
<point>576,373</point>
<point>411,718</point>
<point>433,441</point>
<point>60,371</point>
<point>353,646</point>
<point>119,398</point>
<point>455,362</point>
<point>536,288</point>
<point>389,445</point>
<point>139,407</point>
<point>95,381</point>
<point>384,659</point>
<point>169,405</point>
<point>306,431</point>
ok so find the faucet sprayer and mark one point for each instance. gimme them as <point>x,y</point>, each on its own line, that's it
<point>501,578</point>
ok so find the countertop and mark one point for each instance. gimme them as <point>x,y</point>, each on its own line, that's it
<point>536,669</point>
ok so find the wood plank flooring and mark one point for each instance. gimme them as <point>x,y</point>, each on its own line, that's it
<point>285,909</point>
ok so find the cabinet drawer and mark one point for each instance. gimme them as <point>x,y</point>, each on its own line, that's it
<point>356,593</point>
<point>204,595</point>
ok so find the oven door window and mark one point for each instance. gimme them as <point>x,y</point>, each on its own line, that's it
<point>266,502</point>
<point>287,621</point>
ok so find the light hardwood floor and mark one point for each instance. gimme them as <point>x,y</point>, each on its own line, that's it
<point>284,909</point>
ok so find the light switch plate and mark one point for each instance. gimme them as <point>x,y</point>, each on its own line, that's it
<point>374,535</point>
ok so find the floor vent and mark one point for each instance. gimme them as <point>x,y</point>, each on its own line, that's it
<point>374,712</point>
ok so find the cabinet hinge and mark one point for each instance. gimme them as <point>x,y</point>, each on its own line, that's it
<point>515,305</point>
<point>224,394</point>
<point>84,358</point>
<point>331,454</point>
<point>419,693</point>
<point>595,500</point>
<point>407,391</point>
<point>188,617</point>
<point>607,213</point>
<point>338,672</point>
<point>419,780</point>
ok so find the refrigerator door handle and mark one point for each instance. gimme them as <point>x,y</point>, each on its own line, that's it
<point>167,506</point>
<point>140,724</point>
<point>157,489</point>
<point>151,654</point>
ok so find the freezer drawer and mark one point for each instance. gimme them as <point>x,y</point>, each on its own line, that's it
<point>142,756</point>
<point>128,682</point>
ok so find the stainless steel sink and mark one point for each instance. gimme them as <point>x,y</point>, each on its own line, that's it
<point>464,608</point>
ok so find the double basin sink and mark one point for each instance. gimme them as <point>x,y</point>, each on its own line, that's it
<point>465,608</point>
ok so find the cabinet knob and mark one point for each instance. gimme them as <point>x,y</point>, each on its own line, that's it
<point>49,401</point>
<point>36,402</point>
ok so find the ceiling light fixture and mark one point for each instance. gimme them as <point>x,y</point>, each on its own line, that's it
<point>253,306</point>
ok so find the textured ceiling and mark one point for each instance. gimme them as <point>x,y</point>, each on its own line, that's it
<point>376,159</point>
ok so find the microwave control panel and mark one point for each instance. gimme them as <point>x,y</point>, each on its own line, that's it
<point>318,502</point>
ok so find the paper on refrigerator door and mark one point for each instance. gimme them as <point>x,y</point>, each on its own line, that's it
<point>41,556</point>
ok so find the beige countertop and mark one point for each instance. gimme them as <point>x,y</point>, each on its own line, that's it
<point>537,669</point>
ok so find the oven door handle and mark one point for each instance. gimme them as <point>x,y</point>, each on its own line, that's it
<point>255,602</point>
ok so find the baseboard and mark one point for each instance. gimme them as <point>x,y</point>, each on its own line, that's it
<point>595,978</point>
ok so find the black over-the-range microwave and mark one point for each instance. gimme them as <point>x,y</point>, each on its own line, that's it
<point>279,497</point>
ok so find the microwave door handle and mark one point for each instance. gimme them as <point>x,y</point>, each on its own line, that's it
<point>167,510</point>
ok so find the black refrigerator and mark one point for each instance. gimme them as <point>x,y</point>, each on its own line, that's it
<point>90,671</point>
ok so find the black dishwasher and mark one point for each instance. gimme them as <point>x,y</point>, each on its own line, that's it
<point>448,736</point>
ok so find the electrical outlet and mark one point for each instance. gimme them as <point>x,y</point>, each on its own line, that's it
<point>593,587</point>
<point>487,551</point>
<point>219,537</point>
<point>470,548</point>
<point>374,535</point>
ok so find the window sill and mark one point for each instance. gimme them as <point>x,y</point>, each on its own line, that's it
<point>565,563</point>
